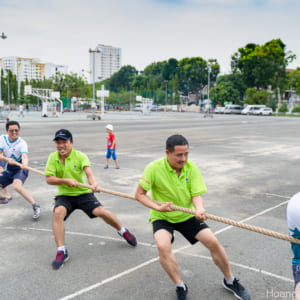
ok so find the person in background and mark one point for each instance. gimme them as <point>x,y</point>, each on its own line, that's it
<point>111,146</point>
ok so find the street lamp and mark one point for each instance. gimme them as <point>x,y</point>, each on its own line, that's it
<point>3,36</point>
<point>208,82</point>
<point>8,95</point>
<point>166,83</point>
<point>94,51</point>
<point>130,86</point>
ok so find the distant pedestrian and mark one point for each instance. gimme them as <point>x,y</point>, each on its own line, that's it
<point>111,147</point>
<point>27,107</point>
<point>21,110</point>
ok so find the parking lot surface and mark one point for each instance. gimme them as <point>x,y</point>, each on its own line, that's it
<point>250,164</point>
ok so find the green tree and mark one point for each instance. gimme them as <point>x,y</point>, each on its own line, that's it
<point>257,97</point>
<point>263,65</point>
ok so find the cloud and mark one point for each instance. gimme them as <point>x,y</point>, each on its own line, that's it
<point>146,30</point>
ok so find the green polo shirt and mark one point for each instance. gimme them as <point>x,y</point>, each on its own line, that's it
<point>73,168</point>
<point>166,186</point>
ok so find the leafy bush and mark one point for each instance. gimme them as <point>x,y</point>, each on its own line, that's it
<point>283,108</point>
<point>296,109</point>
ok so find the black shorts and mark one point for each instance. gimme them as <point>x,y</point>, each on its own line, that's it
<point>189,229</point>
<point>86,202</point>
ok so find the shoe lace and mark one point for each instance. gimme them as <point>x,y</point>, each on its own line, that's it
<point>128,236</point>
<point>237,286</point>
<point>60,256</point>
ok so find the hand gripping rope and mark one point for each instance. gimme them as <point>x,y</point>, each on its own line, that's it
<point>190,211</point>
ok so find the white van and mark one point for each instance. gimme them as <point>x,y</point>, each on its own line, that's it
<point>251,109</point>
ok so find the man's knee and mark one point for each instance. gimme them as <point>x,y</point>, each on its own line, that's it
<point>101,212</point>
<point>60,213</point>
<point>17,185</point>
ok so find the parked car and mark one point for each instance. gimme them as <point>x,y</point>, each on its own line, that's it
<point>219,109</point>
<point>233,109</point>
<point>138,107</point>
<point>251,109</point>
<point>265,111</point>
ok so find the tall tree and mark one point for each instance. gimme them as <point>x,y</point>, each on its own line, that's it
<point>263,65</point>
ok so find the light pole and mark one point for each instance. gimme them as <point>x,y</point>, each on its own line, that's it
<point>3,36</point>
<point>93,51</point>
<point>166,83</point>
<point>130,86</point>
<point>208,82</point>
<point>8,96</point>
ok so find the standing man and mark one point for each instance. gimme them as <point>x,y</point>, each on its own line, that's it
<point>66,168</point>
<point>176,180</point>
<point>12,149</point>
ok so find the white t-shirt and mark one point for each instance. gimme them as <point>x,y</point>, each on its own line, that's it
<point>13,149</point>
<point>293,220</point>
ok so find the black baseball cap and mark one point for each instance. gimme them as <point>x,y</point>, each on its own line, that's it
<point>63,134</point>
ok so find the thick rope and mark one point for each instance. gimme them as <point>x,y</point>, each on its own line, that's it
<point>190,211</point>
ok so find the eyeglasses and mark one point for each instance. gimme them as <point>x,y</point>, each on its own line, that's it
<point>13,130</point>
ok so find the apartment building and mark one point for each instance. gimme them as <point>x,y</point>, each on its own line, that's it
<point>30,68</point>
<point>105,60</point>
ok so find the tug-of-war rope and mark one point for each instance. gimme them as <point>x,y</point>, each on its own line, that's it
<point>190,211</point>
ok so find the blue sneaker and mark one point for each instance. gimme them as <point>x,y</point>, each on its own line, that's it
<point>3,200</point>
<point>61,257</point>
<point>237,289</point>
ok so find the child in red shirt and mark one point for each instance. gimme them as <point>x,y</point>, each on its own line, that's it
<point>111,146</point>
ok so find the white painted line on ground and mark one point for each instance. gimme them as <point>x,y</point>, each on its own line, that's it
<point>146,263</point>
<point>91,287</point>
<point>247,268</point>
<point>78,233</point>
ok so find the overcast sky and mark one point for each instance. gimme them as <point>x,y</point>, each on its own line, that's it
<point>62,31</point>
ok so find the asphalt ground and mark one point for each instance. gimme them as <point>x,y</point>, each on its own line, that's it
<point>251,168</point>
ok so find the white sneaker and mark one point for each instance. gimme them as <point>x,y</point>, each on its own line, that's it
<point>36,211</point>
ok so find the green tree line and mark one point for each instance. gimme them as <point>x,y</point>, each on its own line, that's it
<point>258,75</point>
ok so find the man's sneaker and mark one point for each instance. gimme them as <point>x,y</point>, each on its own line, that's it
<point>237,289</point>
<point>3,200</point>
<point>130,238</point>
<point>181,292</point>
<point>106,167</point>
<point>61,257</point>
<point>117,167</point>
<point>36,211</point>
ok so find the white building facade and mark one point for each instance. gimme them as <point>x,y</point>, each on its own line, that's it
<point>107,60</point>
<point>30,68</point>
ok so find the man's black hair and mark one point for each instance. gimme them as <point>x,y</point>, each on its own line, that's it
<point>9,123</point>
<point>175,140</point>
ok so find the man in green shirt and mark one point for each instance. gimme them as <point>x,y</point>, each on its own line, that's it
<point>177,180</point>
<point>66,168</point>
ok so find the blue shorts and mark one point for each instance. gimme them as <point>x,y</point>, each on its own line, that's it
<point>296,273</point>
<point>111,153</point>
<point>86,202</point>
<point>189,228</point>
<point>7,178</point>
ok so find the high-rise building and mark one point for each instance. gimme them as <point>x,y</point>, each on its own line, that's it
<point>107,62</point>
<point>30,68</point>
